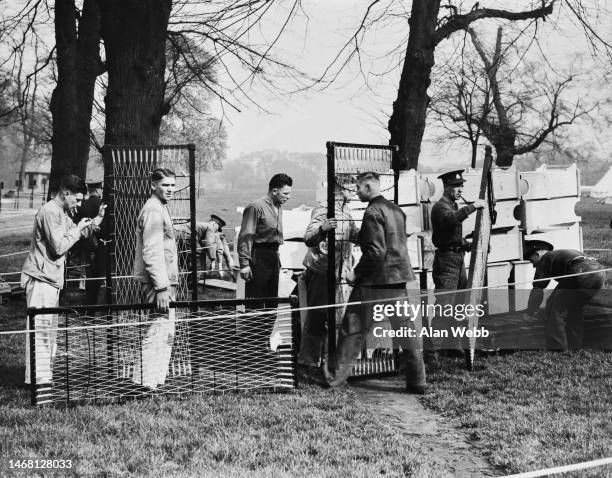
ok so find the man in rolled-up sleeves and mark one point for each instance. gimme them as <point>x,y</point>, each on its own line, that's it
<point>156,268</point>
<point>42,275</point>
<point>261,233</point>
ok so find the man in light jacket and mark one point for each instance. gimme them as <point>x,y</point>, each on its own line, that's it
<point>42,275</point>
<point>156,268</point>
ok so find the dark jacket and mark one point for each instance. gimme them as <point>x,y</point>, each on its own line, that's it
<point>446,219</point>
<point>382,240</point>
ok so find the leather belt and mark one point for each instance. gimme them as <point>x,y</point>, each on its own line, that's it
<point>451,249</point>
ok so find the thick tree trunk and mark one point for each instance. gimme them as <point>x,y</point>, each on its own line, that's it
<point>134,33</point>
<point>407,123</point>
<point>504,142</point>
<point>78,65</point>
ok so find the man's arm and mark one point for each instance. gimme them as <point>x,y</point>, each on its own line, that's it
<point>314,234</point>
<point>248,228</point>
<point>451,217</point>
<point>153,249</point>
<point>373,244</point>
<point>60,240</point>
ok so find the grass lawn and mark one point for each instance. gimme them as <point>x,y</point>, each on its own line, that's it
<point>531,410</point>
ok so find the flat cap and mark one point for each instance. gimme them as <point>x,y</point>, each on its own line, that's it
<point>218,220</point>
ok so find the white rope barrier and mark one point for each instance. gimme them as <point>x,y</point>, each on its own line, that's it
<point>563,469</point>
<point>257,312</point>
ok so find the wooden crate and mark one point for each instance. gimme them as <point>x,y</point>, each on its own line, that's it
<point>505,246</point>
<point>547,182</point>
<point>506,211</point>
<point>561,237</point>
<point>414,218</point>
<point>538,215</point>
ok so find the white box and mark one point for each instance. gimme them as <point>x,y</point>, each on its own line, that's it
<point>546,182</point>
<point>505,246</point>
<point>505,216</point>
<point>414,218</point>
<point>569,237</point>
<point>537,215</point>
<point>408,187</point>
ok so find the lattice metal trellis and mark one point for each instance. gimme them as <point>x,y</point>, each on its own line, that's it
<point>229,354</point>
<point>127,186</point>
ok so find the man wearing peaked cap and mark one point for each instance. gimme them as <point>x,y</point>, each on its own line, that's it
<point>448,267</point>
<point>565,307</point>
<point>454,178</point>
<point>218,220</point>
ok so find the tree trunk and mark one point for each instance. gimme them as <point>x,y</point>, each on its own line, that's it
<point>407,123</point>
<point>78,66</point>
<point>504,142</point>
<point>134,33</point>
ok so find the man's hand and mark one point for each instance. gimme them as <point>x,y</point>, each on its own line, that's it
<point>479,204</point>
<point>162,300</point>
<point>329,224</point>
<point>98,219</point>
<point>246,273</point>
<point>84,223</point>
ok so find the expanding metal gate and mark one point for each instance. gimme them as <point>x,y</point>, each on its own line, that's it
<point>73,351</point>
<point>127,186</point>
<point>344,162</point>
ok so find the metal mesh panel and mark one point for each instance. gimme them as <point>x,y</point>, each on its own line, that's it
<point>127,177</point>
<point>345,162</point>
<point>229,351</point>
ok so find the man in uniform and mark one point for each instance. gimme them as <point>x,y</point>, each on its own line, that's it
<point>209,238</point>
<point>261,233</point>
<point>565,307</point>
<point>156,268</point>
<point>314,330</point>
<point>42,275</point>
<point>381,275</point>
<point>446,218</point>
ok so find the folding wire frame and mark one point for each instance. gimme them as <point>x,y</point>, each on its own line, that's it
<point>76,360</point>
<point>344,162</point>
<point>127,186</point>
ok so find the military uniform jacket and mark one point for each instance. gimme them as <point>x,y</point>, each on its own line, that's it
<point>446,219</point>
<point>382,239</point>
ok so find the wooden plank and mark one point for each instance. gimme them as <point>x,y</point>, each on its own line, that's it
<point>478,259</point>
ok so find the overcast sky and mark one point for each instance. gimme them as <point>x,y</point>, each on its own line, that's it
<point>349,110</point>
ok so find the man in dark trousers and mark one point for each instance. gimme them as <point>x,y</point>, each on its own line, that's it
<point>261,233</point>
<point>565,307</point>
<point>448,266</point>
<point>379,278</point>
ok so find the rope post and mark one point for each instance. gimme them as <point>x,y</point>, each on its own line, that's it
<point>331,258</point>
<point>1,188</point>
<point>32,340</point>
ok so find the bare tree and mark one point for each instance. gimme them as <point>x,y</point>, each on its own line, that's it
<point>508,117</point>
<point>430,23</point>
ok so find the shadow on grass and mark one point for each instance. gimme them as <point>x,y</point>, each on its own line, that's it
<point>12,376</point>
